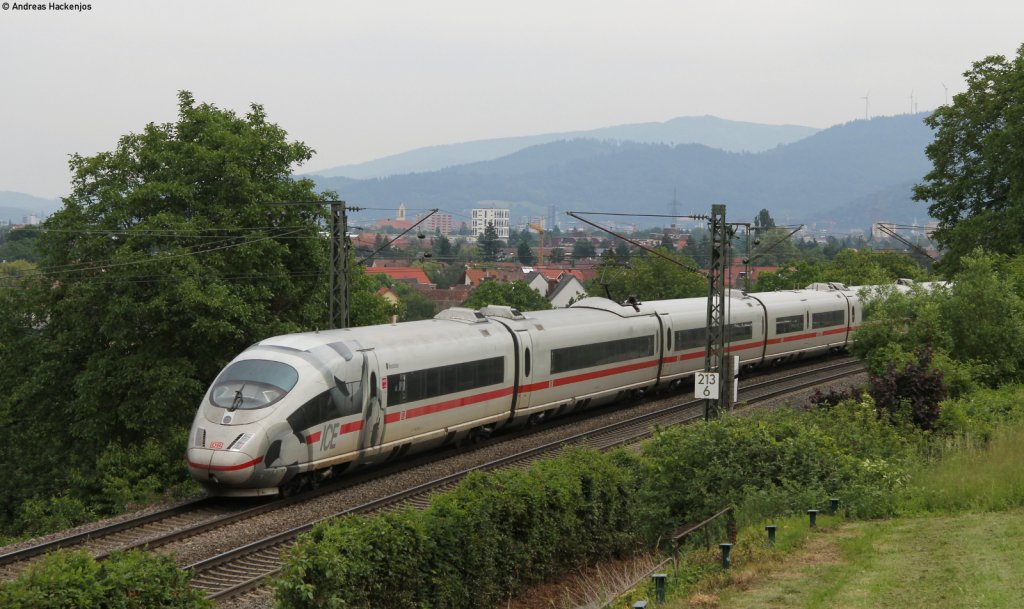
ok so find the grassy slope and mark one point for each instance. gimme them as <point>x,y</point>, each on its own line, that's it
<point>971,560</point>
<point>963,550</point>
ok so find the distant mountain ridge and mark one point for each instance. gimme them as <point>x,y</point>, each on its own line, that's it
<point>15,206</point>
<point>856,173</point>
<point>733,136</point>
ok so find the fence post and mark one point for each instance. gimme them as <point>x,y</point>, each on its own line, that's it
<point>659,586</point>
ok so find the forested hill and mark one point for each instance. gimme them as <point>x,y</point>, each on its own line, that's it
<point>711,131</point>
<point>857,173</point>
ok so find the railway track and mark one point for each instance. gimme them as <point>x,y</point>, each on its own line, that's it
<point>245,568</point>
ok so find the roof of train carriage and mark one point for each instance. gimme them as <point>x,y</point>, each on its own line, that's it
<point>437,331</point>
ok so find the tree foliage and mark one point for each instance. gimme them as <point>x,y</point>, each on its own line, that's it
<point>126,580</point>
<point>515,294</point>
<point>582,249</point>
<point>976,186</point>
<point>974,329</point>
<point>649,277</point>
<point>19,244</point>
<point>167,259</point>
<point>489,243</point>
<point>525,254</point>
<point>851,267</point>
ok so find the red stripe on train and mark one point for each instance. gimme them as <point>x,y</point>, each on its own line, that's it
<point>227,468</point>
<point>420,411</point>
<point>578,378</point>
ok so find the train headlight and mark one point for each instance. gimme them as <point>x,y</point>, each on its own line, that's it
<point>240,441</point>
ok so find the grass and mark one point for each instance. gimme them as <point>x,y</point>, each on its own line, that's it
<point>970,560</point>
<point>962,550</point>
<point>971,478</point>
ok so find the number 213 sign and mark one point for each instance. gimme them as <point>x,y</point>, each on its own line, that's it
<point>705,386</point>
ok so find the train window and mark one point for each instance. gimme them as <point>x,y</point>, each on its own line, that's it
<point>743,330</point>
<point>317,410</point>
<point>790,323</point>
<point>599,354</point>
<point>442,380</point>
<point>347,398</point>
<point>668,339</point>
<point>252,383</point>
<point>828,318</point>
<point>526,362</point>
<point>696,338</point>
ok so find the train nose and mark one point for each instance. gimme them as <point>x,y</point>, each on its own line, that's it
<point>222,466</point>
<point>222,462</point>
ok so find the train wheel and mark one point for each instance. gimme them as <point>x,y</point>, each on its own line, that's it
<point>294,486</point>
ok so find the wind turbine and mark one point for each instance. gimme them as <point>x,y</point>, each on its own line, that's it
<point>865,98</point>
<point>911,101</point>
<point>946,90</point>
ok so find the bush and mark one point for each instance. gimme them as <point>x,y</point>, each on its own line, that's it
<point>356,562</point>
<point>42,516</point>
<point>913,392</point>
<point>132,475</point>
<point>126,580</point>
<point>474,546</point>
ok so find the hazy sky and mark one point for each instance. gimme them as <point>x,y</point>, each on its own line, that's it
<point>361,80</point>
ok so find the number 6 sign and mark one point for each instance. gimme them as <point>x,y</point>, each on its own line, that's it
<point>705,386</point>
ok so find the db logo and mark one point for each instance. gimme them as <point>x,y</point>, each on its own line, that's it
<point>216,445</point>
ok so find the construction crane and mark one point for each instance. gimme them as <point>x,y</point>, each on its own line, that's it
<point>540,231</point>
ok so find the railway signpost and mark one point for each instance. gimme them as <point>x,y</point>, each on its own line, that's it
<point>706,385</point>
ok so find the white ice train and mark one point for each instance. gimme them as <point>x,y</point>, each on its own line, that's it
<point>294,409</point>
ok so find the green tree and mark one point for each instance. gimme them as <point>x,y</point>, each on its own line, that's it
<point>442,247</point>
<point>976,186</point>
<point>525,254</point>
<point>649,277</point>
<point>19,244</point>
<point>167,259</point>
<point>414,305</point>
<point>764,220</point>
<point>698,247</point>
<point>851,267</point>
<point>583,248</point>
<point>622,252</point>
<point>667,243</point>
<point>557,255</point>
<point>489,243</point>
<point>516,294</point>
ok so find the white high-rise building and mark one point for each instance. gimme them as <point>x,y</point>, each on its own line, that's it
<point>495,216</point>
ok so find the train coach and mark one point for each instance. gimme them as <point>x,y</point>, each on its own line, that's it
<point>292,410</point>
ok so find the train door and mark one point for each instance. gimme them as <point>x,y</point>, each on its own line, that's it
<point>525,370</point>
<point>371,434</point>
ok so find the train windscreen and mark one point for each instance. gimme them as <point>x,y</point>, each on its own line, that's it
<point>253,383</point>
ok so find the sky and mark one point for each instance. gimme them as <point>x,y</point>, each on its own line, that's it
<point>359,80</point>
